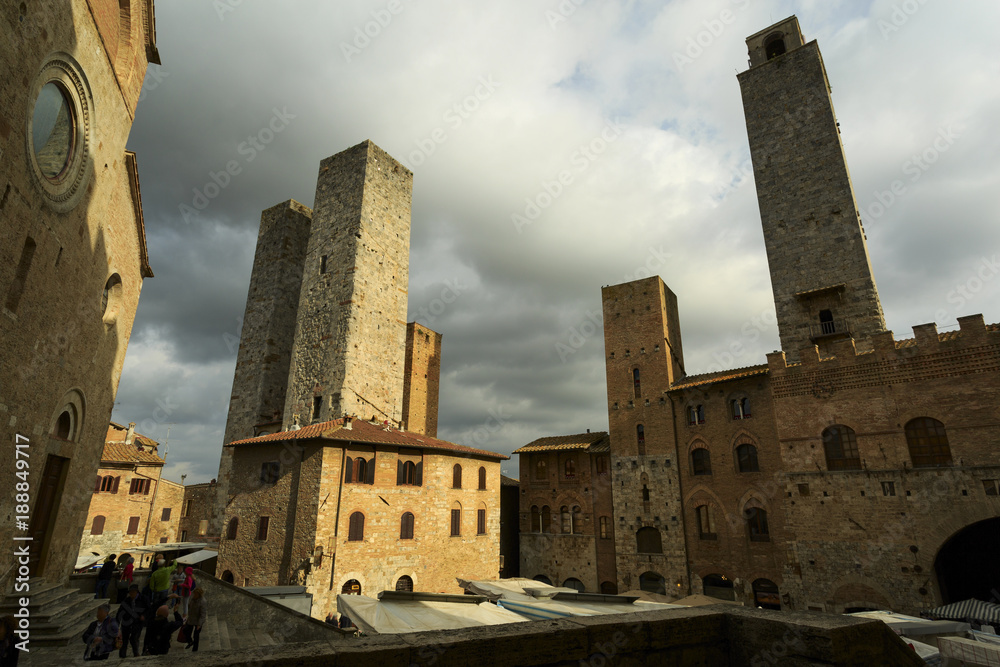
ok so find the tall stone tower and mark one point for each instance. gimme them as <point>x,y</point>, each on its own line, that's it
<point>820,270</point>
<point>643,355</point>
<point>422,378</point>
<point>350,335</point>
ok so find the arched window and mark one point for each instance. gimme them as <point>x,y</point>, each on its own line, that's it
<point>546,519</point>
<point>701,462</point>
<point>706,522</point>
<point>569,468</point>
<point>481,519</point>
<point>234,525</point>
<point>757,524</point>
<point>456,477</point>
<point>826,323</point>
<point>540,470</point>
<point>774,46</point>
<point>648,541</point>
<point>651,582</point>
<point>97,528</point>
<point>360,470</point>
<point>542,578</point>
<point>575,584</point>
<point>609,588</point>
<point>635,383</point>
<point>227,577</point>
<point>404,584</point>
<point>356,527</point>
<point>64,426</point>
<point>352,587</point>
<point>536,520</point>
<point>567,520</point>
<point>746,458</point>
<point>841,448</point>
<point>928,443</point>
<point>718,586</point>
<point>406,526</point>
<point>696,414</point>
<point>482,478</point>
<point>765,594</point>
<point>577,520</point>
<point>408,473</point>
<point>740,408</point>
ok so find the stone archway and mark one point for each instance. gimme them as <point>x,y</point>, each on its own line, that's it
<point>967,565</point>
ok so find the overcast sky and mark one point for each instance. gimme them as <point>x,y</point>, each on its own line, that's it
<point>487,103</point>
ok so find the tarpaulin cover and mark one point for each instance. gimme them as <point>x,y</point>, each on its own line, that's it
<point>970,651</point>
<point>198,556</point>
<point>902,624</point>
<point>967,610</point>
<point>399,616</point>
<point>926,652</point>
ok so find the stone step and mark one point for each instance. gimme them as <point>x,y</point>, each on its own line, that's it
<point>261,637</point>
<point>209,640</point>
<point>68,612</point>
<point>39,592</point>
<point>224,635</point>
<point>66,636</point>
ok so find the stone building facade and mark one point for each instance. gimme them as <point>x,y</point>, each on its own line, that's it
<point>349,506</point>
<point>567,535</point>
<point>131,505</point>
<point>197,511</point>
<point>324,331</point>
<point>72,242</point>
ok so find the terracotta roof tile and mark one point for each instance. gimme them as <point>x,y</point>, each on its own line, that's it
<point>508,481</point>
<point>119,452</point>
<point>365,432</point>
<point>589,441</point>
<point>719,376</point>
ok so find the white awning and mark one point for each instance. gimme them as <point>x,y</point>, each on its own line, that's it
<point>86,561</point>
<point>398,616</point>
<point>198,556</point>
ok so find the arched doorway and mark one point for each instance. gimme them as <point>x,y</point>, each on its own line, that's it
<point>542,578</point>
<point>967,565</point>
<point>765,594</point>
<point>352,587</point>
<point>718,586</point>
<point>227,577</point>
<point>609,588</point>
<point>651,582</point>
<point>404,584</point>
<point>575,584</point>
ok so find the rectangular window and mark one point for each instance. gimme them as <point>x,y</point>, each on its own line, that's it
<point>184,536</point>
<point>706,523</point>
<point>456,522</point>
<point>481,522</point>
<point>888,488</point>
<point>270,471</point>
<point>605,528</point>
<point>322,264</point>
<point>991,487</point>
<point>166,514</point>
<point>203,526</point>
<point>139,486</point>
<point>187,507</point>
<point>163,540</point>
<point>246,581</point>
<point>317,406</point>
<point>262,527</point>
<point>133,525</point>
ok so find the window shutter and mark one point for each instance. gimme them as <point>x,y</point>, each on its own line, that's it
<point>420,474</point>
<point>133,525</point>
<point>399,473</point>
<point>97,487</point>
<point>114,488</point>
<point>370,477</point>
<point>349,470</point>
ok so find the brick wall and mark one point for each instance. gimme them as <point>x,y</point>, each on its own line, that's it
<point>119,509</point>
<point>166,515</point>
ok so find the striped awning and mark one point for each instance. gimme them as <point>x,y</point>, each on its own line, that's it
<point>967,610</point>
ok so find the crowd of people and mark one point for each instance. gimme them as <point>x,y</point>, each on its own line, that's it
<point>169,603</point>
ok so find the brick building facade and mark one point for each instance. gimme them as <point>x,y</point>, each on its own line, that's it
<point>72,243</point>
<point>132,504</point>
<point>353,506</point>
<point>567,536</point>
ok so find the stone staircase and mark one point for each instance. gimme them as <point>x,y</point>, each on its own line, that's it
<point>59,614</point>
<point>217,635</point>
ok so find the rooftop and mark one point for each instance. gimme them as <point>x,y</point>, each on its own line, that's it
<point>719,376</point>
<point>119,452</point>
<point>596,442</point>
<point>364,432</point>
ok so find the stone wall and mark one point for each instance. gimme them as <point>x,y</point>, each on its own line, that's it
<point>61,240</point>
<point>421,379</point>
<point>199,506</point>
<point>812,228</point>
<point>166,517</point>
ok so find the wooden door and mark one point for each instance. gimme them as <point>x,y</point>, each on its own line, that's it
<point>46,508</point>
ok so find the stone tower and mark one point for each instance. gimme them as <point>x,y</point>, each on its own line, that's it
<point>422,380</point>
<point>350,334</point>
<point>820,270</point>
<point>643,355</point>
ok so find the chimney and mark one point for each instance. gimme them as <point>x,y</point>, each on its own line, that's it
<point>130,434</point>
<point>347,422</point>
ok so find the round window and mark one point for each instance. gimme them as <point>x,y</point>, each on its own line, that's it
<point>52,131</point>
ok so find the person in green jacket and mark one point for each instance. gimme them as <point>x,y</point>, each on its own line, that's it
<point>159,583</point>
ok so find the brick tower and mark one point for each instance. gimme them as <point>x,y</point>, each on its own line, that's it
<point>642,346</point>
<point>820,270</point>
<point>350,335</point>
<point>422,380</point>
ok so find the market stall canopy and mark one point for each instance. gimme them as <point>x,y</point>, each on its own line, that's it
<point>967,610</point>
<point>87,561</point>
<point>397,613</point>
<point>172,546</point>
<point>198,556</point>
<point>912,626</point>
<point>697,600</point>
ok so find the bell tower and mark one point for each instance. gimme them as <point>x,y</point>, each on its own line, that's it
<point>821,274</point>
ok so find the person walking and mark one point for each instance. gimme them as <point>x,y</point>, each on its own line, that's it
<point>104,577</point>
<point>176,579</point>
<point>161,630</point>
<point>159,584</point>
<point>100,635</point>
<point>131,619</point>
<point>185,589</point>
<point>198,609</point>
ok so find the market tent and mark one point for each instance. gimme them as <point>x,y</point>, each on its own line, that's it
<point>563,605</point>
<point>198,556</point>
<point>697,600</point>
<point>912,626</point>
<point>926,652</point>
<point>87,560</point>
<point>494,590</point>
<point>967,610</point>
<point>395,614</point>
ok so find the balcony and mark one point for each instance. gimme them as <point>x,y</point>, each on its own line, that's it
<point>831,328</point>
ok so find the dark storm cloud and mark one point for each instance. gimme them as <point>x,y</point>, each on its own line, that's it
<point>513,97</point>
